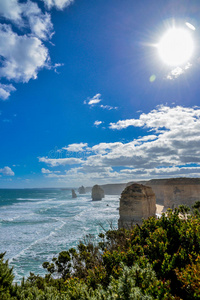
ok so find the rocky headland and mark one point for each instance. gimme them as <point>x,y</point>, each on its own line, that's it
<point>137,202</point>
<point>173,192</point>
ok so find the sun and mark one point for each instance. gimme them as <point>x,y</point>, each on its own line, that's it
<point>176,47</point>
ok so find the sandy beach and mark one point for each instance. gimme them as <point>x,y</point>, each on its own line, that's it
<point>160,209</point>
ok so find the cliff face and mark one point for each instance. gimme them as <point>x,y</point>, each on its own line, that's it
<point>137,201</point>
<point>177,191</point>
<point>113,189</point>
<point>173,192</point>
<point>97,193</point>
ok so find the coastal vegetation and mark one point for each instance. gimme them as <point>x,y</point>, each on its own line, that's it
<point>159,259</point>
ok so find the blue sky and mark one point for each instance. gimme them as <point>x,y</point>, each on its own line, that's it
<point>85,97</point>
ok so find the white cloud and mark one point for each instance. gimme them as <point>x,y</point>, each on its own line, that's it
<point>174,149</point>
<point>40,23</point>
<point>97,123</point>
<point>94,100</point>
<point>126,123</point>
<point>5,90</point>
<point>76,147</point>
<point>108,107</point>
<point>45,171</point>
<point>7,171</point>
<point>59,4</point>
<point>10,9</point>
<point>23,56</point>
<point>104,148</point>
<point>175,73</point>
<point>53,162</point>
<point>27,14</point>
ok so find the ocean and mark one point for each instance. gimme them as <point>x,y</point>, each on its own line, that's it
<point>37,224</point>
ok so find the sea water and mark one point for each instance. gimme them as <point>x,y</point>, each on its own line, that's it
<point>37,224</point>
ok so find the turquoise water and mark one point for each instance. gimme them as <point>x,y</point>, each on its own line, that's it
<point>36,224</point>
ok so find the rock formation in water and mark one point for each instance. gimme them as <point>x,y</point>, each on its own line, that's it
<point>173,192</point>
<point>74,194</point>
<point>137,202</point>
<point>81,190</point>
<point>97,193</point>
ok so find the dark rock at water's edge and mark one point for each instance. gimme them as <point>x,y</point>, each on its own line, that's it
<point>97,193</point>
<point>81,190</point>
<point>137,202</point>
<point>74,194</point>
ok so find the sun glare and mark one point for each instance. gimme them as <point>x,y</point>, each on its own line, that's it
<point>176,47</point>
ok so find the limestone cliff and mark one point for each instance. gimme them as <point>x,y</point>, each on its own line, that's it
<point>97,193</point>
<point>173,192</point>
<point>74,194</point>
<point>176,191</point>
<point>137,201</point>
<point>81,190</point>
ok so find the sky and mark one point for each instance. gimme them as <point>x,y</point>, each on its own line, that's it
<point>86,97</point>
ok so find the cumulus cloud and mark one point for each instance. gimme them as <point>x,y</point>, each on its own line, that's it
<point>27,14</point>
<point>7,171</point>
<point>76,147</point>
<point>173,149</point>
<point>5,90</point>
<point>23,55</point>
<point>59,4</point>
<point>40,23</point>
<point>54,162</point>
<point>10,9</point>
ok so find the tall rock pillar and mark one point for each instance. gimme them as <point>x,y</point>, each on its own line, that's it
<point>137,202</point>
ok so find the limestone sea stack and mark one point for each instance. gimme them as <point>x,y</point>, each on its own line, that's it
<point>74,194</point>
<point>137,202</point>
<point>81,190</point>
<point>97,193</point>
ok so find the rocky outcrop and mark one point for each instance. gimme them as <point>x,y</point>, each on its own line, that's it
<point>74,194</point>
<point>97,193</point>
<point>113,189</point>
<point>137,202</point>
<point>173,192</point>
<point>81,190</point>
